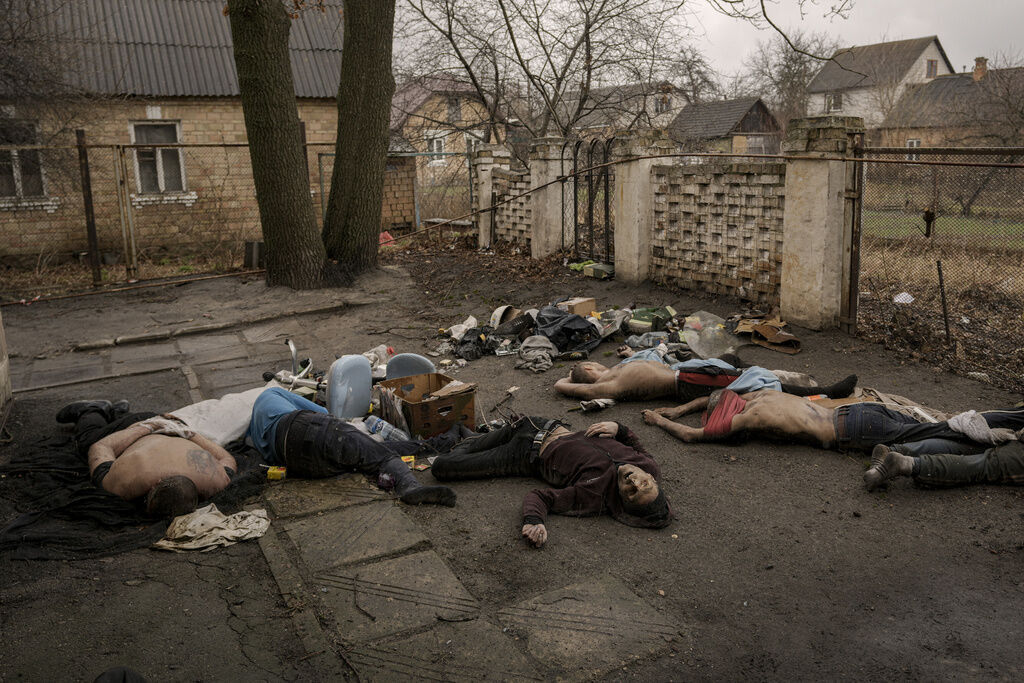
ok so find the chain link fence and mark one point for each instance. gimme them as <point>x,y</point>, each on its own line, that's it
<point>588,225</point>
<point>942,257</point>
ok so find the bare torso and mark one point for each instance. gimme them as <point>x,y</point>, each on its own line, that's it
<point>156,456</point>
<point>640,380</point>
<point>774,413</point>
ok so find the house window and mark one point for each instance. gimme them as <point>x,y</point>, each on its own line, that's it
<point>932,68</point>
<point>454,110</point>
<point>158,170</point>
<point>913,143</point>
<point>21,173</point>
<point>833,102</point>
<point>473,141</point>
<point>662,103</point>
<point>435,146</point>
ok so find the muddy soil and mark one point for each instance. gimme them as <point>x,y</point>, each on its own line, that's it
<point>778,566</point>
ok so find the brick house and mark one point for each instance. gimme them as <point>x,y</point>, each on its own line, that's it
<point>868,80</point>
<point>163,74</point>
<point>625,107</point>
<point>977,108</point>
<point>742,126</point>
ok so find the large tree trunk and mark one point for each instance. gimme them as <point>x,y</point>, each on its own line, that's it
<point>352,224</point>
<point>295,255</point>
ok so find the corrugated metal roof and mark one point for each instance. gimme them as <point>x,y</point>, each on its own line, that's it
<point>710,119</point>
<point>182,48</point>
<point>864,66</point>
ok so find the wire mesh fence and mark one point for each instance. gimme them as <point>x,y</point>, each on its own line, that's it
<point>588,224</point>
<point>942,256</point>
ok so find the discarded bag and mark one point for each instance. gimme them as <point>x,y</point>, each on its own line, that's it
<point>568,332</point>
<point>537,353</point>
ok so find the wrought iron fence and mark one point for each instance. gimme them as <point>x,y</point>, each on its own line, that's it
<point>588,226</point>
<point>942,255</point>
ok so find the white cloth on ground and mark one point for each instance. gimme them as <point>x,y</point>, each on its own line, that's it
<point>207,528</point>
<point>973,425</point>
<point>171,426</point>
<point>222,420</point>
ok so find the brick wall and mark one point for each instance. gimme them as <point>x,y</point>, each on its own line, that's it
<point>213,216</point>
<point>399,194</point>
<point>718,228</point>
<point>513,220</point>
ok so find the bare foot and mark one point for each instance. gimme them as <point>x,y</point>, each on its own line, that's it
<point>652,417</point>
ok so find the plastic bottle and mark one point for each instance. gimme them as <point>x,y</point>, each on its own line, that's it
<point>387,431</point>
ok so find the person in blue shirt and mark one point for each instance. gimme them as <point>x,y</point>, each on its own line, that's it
<point>289,430</point>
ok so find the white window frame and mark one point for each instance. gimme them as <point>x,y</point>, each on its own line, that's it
<point>830,102</point>
<point>160,181</point>
<point>473,140</point>
<point>19,189</point>
<point>662,103</point>
<point>432,138</point>
<point>913,143</point>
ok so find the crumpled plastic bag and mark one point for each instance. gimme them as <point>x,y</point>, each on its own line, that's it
<point>707,336</point>
<point>207,528</point>
<point>567,331</point>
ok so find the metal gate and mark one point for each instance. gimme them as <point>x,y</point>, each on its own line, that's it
<point>941,255</point>
<point>588,181</point>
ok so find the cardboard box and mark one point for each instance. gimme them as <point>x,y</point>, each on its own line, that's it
<point>601,271</point>
<point>583,306</point>
<point>430,406</point>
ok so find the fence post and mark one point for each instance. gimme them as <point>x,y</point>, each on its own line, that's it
<point>818,222</point>
<point>90,215</point>
<point>545,202</point>
<point>486,159</point>
<point>634,202</point>
<point>6,395</point>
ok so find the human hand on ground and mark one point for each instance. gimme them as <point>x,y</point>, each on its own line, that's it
<point>535,534</point>
<point>670,413</point>
<point>624,351</point>
<point>603,429</point>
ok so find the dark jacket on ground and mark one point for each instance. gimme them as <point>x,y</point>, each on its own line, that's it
<point>586,466</point>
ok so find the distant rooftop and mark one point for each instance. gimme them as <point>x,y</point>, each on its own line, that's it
<point>865,66</point>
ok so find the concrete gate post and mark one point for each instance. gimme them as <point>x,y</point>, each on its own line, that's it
<point>818,220</point>
<point>633,201</point>
<point>546,202</point>
<point>485,160</point>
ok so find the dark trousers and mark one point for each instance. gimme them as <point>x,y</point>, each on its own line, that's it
<point>862,426</point>
<point>315,445</point>
<point>511,451</point>
<point>1003,464</point>
<point>93,426</point>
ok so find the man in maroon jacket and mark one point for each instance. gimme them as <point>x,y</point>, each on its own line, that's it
<point>604,469</point>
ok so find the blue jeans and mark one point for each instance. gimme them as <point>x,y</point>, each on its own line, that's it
<point>1000,465</point>
<point>862,426</point>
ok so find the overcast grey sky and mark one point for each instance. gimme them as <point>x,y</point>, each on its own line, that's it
<point>966,28</point>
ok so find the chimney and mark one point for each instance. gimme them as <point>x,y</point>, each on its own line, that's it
<point>980,68</point>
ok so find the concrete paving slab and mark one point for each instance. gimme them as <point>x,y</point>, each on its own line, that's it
<point>236,351</point>
<point>274,332</point>
<point>206,342</point>
<point>294,497</point>
<point>134,352</point>
<point>353,534</point>
<point>470,651</point>
<point>393,596</point>
<point>224,377</point>
<point>43,376</point>
<point>590,628</point>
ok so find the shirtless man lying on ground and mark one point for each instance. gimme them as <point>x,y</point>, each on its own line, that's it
<point>855,426</point>
<point>641,380</point>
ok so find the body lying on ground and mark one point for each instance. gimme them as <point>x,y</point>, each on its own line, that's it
<point>641,380</point>
<point>289,430</point>
<point>852,426</point>
<point>1000,464</point>
<point>602,470</point>
<point>145,455</point>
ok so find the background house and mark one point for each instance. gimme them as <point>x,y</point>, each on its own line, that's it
<point>623,107</point>
<point>739,126</point>
<point>982,107</point>
<point>163,73</point>
<point>868,80</point>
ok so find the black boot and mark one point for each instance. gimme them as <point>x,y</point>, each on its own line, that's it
<point>72,411</point>
<point>840,389</point>
<point>411,491</point>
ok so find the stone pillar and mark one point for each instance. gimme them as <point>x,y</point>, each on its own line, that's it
<point>633,201</point>
<point>485,160</point>
<point>5,373</point>
<point>818,220</point>
<point>546,202</point>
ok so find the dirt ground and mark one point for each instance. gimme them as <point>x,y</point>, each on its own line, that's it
<point>778,565</point>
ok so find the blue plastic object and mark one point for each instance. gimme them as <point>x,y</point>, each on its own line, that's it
<point>407,364</point>
<point>348,386</point>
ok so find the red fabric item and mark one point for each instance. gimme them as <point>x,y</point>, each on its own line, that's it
<point>719,422</point>
<point>706,380</point>
<point>386,238</point>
